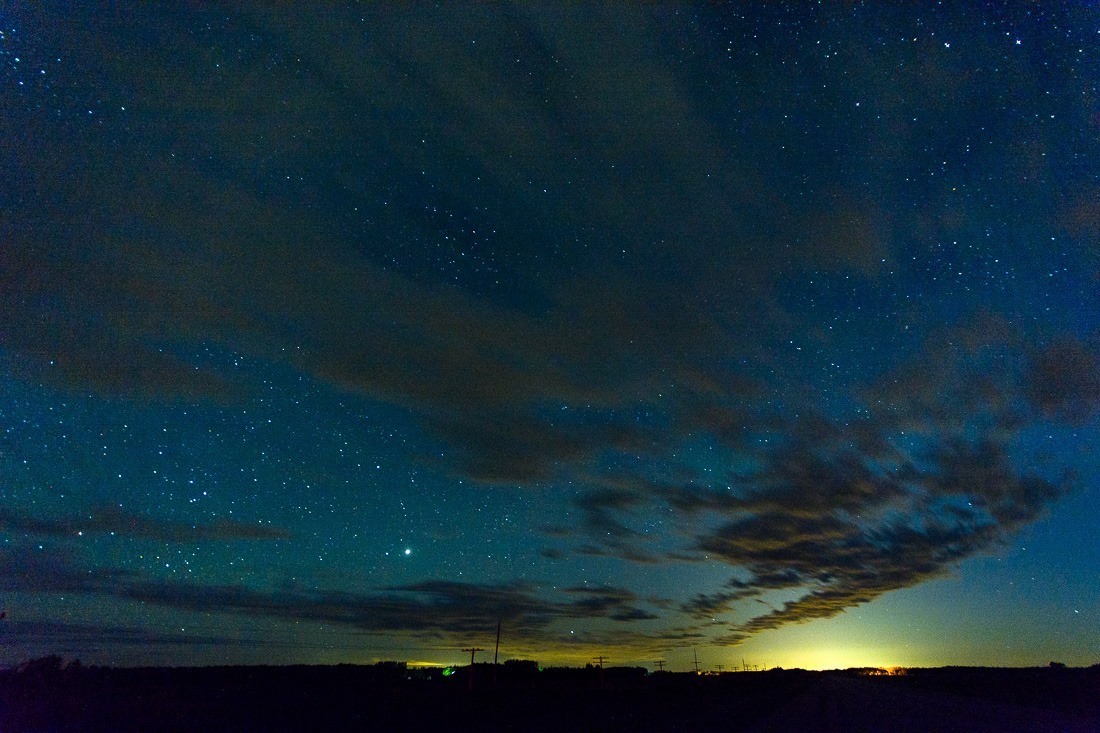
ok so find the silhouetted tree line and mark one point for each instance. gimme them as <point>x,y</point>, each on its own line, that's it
<point>52,694</point>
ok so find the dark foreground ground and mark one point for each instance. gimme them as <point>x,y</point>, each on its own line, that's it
<point>362,698</point>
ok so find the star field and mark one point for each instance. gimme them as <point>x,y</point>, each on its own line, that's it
<point>340,333</point>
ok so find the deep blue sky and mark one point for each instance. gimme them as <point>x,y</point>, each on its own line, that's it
<point>340,334</point>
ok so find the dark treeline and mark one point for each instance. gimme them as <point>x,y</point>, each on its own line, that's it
<point>51,695</point>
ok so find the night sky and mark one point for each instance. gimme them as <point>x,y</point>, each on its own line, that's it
<point>340,334</point>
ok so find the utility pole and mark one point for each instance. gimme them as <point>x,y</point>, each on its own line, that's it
<point>744,667</point>
<point>599,661</point>
<point>470,680</point>
<point>696,652</point>
<point>720,668</point>
<point>496,651</point>
<point>660,665</point>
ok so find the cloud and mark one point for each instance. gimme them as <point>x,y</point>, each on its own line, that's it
<point>614,603</point>
<point>708,605</point>
<point>1063,378</point>
<point>932,467</point>
<point>633,614</point>
<point>837,512</point>
<point>600,507</point>
<point>110,520</point>
<point>146,257</point>
<point>620,550</point>
<point>428,609</point>
<point>648,250</point>
<point>64,636</point>
<point>27,569</point>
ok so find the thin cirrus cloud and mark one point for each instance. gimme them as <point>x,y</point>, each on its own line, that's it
<point>427,609</point>
<point>59,636</point>
<point>662,323</point>
<point>110,520</point>
<point>171,256</point>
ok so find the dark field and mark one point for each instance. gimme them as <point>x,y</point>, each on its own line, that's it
<point>521,698</point>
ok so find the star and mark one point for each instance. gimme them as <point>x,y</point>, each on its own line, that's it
<point>221,398</point>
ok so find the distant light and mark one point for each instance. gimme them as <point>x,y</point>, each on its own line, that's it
<point>408,551</point>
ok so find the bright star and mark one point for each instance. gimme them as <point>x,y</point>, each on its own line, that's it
<point>408,551</point>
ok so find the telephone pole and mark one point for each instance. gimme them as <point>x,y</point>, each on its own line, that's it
<point>599,662</point>
<point>720,668</point>
<point>660,665</point>
<point>696,652</point>
<point>470,680</point>
<point>496,651</point>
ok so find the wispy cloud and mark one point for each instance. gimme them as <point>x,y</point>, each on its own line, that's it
<point>931,471</point>
<point>428,609</point>
<point>64,636</point>
<point>111,520</point>
<point>652,322</point>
